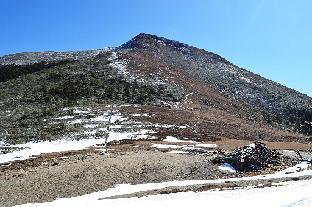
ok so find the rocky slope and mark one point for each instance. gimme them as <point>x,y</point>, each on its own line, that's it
<point>175,84</point>
<point>278,105</point>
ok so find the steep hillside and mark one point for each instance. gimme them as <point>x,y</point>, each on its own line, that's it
<point>278,105</point>
<point>180,90</point>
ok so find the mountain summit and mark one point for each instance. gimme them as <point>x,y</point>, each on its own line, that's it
<point>181,85</point>
<point>144,40</point>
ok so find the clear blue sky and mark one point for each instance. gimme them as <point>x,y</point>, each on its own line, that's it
<point>270,37</point>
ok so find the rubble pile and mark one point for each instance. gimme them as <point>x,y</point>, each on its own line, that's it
<point>253,157</point>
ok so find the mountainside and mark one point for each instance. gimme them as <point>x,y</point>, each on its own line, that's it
<point>279,105</point>
<point>202,95</point>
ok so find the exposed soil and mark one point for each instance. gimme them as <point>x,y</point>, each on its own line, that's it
<point>50,176</point>
<point>90,172</point>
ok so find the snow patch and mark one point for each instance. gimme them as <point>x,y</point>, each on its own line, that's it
<point>90,126</point>
<point>138,115</point>
<point>177,152</point>
<point>171,139</point>
<point>165,146</point>
<point>77,121</point>
<point>245,79</point>
<point>78,110</point>
<point>31,149</point>
<point>107,118</point>
<point>119,65</point>
<point>297,168</point>
<point>207,145</point>
<point>227,167</point>
<point>64,117</point>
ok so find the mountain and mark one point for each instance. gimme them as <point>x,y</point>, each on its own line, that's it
<point>177,84</point>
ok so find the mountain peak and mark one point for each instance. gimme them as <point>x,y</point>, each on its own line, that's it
<point>146,36</point>
<point>144,40</point>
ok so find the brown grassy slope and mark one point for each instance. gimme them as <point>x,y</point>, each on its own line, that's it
<point>210,115</point>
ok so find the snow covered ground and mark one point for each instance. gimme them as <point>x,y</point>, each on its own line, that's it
<point>186,147</point>
<point>31,149</point>
<point>287,194</point>
<point>291,194</point>
<point>91,126</point>
<point>227,167</point>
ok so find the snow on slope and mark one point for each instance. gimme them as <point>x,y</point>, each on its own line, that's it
<point>33,149</point>
<point>92,125</point>
<point>30,149</point>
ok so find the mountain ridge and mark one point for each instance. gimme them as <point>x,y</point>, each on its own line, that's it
<point>16,58</point>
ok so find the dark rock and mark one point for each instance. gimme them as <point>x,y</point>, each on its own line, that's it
<point>253,157</point>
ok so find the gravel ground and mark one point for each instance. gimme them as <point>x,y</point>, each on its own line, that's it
<point>82,174</point>
<point>76,173</point>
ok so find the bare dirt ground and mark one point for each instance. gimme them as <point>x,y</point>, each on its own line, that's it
<point>90,171</point>
<point>50,176</point>
<point>230,144</point>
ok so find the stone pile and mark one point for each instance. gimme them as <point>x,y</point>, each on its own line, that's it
<point>253,157</point>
